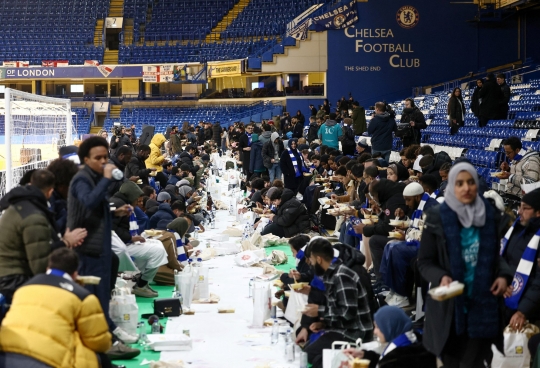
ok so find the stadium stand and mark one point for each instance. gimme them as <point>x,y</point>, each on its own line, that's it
<point>33,31</point>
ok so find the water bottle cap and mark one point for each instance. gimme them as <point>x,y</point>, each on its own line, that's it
<point>199,259</point>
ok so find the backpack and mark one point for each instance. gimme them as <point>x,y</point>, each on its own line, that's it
<point>440,158</point>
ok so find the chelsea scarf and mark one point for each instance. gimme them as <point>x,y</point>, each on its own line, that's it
<point>525,266</point>
<point>133,226</point>
<point>249,139</point>
<point>435,194</point>
<point>297,169</point>
<point>300,254</point>
<point>416,217</point>
<point>182,257</point>
<point>406,339</point>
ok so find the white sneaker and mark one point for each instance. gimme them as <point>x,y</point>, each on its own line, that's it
<point>126,337</point>
<point>398,301</point>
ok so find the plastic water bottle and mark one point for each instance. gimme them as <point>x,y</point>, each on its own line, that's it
<point>289,346</point>
<point>142,333</point>
<point>245,235</point>
<point>196,233</point>
<point>275,333</point>
<point>251,288</point>
<point>213,223</point>
<point>231,210</point>
<point>117,174</point>
<point>156,328</point>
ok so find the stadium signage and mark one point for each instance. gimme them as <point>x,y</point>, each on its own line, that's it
<point>30,72</point>
<point>101,71</point>
<point>225,69</point>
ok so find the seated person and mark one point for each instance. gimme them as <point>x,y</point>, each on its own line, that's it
<point>55,322</point>
<point>292,216</point>
<point>302,273</point>
<point>176,253</point>
<point>394,327</point>
<point>346,314</point>
<point>147,254</point>
<point>398,255</point>
<point>176,176</point>
<point>164,211</point>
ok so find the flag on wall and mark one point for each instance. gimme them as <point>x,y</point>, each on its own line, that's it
<point>300,32</point>
<point>343,15</point>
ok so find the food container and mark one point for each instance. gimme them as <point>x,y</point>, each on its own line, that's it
<point>447,292</point>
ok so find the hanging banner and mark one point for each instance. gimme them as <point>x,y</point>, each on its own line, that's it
<point>163,73</point>
<point>91,63</point>
<point>225,69</point>
<point>54,63</point>
<point>16,64</point>
<point>341,16</point>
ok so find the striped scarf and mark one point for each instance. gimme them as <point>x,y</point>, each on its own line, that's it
<point>406,339</point>
<point>182,257</point>
<point>300,255</point>
<point>297,170</point>
<point>249,139</point>
<point>524,269</point>
<point>133,225</point>
<point>435,194</point>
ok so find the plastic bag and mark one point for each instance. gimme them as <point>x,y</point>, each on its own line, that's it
<point>262,303</point>
<point>123,310</point>
<point>516,352</point>
<point>278,257</point>
<point>246,259</point>
<point>297,302</point>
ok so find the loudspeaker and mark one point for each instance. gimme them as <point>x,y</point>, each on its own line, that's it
<point>147,134</point>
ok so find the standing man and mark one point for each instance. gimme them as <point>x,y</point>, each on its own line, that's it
<point>415,118</point>
<point>381,129</point>
<point>313,110</point>
<point>491,95</point>
<point>330,132</point>
<point>174,140</point>
<point>520,248</point>
<point>505,98</point>
<point>137,166</point>
<point>359,118</point>
<point>88,207</point>
<point>244,145</point>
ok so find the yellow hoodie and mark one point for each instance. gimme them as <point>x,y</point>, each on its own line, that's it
<point>156,159</point>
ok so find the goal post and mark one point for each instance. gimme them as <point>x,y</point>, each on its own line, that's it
<point>35,128</point>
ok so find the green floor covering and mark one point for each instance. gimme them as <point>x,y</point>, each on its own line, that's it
<point>146,306</point>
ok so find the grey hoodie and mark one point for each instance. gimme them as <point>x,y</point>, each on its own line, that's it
<point>265,137</point>
<point>273,138</point>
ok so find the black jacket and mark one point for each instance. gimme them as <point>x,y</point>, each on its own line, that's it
<point>292,215</point>
<point>120,225</point>
<point>380,129</point>
<point>434,263</point>
<point>298,130</point>
<point>245,156</point>
<point>475,102</point>
<point>491,95</point>
<point>414,114</point>
<point>208,133</point>
<point>301,119</point>
<point>391,198</point>
<point>312,132</point>
<point>530,299</point>
<point>256,163</point>
<point>456,110</point>
<point>124,141</point>
<point>412,356</point>
<point>286,164</point>
<point>216,134</point>
<point>137,167</point>
<point>268,153</point>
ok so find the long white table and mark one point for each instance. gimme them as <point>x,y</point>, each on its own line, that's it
<point>227,340</point>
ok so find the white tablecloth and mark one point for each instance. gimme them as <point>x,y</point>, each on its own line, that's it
<point>227,340</point>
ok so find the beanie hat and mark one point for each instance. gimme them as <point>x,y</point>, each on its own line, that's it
<point>413,189</point>
<point>363,143</point>
<point>180,225</point>
<point>163,196</point>
<point>532,199</point>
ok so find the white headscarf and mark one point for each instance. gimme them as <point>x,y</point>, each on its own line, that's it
<point>473,214</point>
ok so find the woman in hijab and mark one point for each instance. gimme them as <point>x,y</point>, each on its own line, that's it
<point>460,242</point>
<point>293,166</point>
<point>397,172</point>
<point>403,350</point>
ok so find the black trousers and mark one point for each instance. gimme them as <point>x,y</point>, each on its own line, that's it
<point>315,351</point>
<point>464,352</point>
<point>482,121</point>
<point>293,183</point>
<point>376,245</point>
<point>274,229</point>
<point>115,264</point>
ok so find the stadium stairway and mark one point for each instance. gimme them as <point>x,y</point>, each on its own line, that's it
<point>98,32</point>
<point>114,112</point>
<point>116,8</point>
<point>215,34</point>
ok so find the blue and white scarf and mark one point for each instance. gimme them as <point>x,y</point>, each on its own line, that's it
<point>249,139</point>
<point>435,194</point>
<point>133,225</point>
<point>59,273</point>
<point>300,254</point>
<point>525,266</point>
<point>297,169</point>
<point>519,156</point>
<point>417,215</point>
<point>182,257</point>
<point>406,339</point>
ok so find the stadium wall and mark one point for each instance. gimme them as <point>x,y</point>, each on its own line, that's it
<point>382,59</point>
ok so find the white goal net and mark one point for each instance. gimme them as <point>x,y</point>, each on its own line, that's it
<point>32,130</point>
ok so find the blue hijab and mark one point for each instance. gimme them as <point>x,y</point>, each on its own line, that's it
<point>392,322</point>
